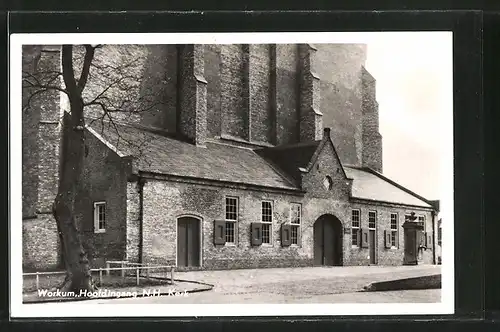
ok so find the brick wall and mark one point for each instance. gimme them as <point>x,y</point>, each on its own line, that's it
<point>193,98</point>
<point>132,252</point>
<point>235,119</point>
<point>339,67</point>
<point>384,256</point>
<point>311,122</point>
<point>104,179</point>
<point>41,143</point>
<point>134,78</point>
<point>30,122</point>
<point>327,165</point>
<point>262,109</point>
<point>287,93</point>
<point>339,90</point>
<point>165,201</point>
<point>213,77</point>
<point>41,246</point>
<point>372,140</point>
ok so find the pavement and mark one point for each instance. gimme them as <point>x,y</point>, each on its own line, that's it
<point>180,288</point>
<point>409,296</point>
<point>298,285</point>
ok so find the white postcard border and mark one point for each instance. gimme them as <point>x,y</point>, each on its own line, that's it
<point>79,309</point>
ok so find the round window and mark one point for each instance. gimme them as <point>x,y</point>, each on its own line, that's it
<point>328,183</point>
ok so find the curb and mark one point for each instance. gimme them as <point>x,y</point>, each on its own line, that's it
<point>415,283</point>
<point>166,293</point>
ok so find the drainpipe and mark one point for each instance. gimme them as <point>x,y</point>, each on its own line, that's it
<point>140,183</point>
<point>433,236</point>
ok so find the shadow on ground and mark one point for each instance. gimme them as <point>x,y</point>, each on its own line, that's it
<point>422,282</point>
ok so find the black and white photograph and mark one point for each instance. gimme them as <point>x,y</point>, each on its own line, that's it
<point>238,174</point>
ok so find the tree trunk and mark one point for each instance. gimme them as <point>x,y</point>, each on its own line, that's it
<point>77,265</point>
<point>78,277</point>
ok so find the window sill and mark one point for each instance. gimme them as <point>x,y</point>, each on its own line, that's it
<point>394,248</point>
<point>268,245</point>
<point>102,231</point>
<point>229,244</point>
<point>355,247</point>
<point>295,245</point>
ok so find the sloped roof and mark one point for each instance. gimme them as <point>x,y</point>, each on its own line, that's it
<point>277,167</point>
<point>370,185</point>
<point>290,158</point>
<point>157,153</point>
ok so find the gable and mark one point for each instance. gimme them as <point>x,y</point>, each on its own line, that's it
<point>327,158</point>
<point>325,176</point>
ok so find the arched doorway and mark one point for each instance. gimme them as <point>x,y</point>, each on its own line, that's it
<point>188,241</point>
<point>328,241</point>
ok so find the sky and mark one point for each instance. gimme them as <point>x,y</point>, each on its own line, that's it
<point>414,91</point>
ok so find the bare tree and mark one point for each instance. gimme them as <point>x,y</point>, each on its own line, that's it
<point>116,84</point>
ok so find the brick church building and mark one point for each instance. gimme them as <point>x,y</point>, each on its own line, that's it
<point>259,156</point>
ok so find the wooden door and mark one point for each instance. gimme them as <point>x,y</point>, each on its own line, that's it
<point>410,256</point>
<point>373,246</point>
<point>188,242</point>
<point>327,242</point>
<point>318,242</point>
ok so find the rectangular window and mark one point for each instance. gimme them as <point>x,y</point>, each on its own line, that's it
<point>295,218</point>
<point>421,219</point>
<point>231,218</point>
<point>439,235</point>
<point>100,217</point>
<point>355,224</point>
<point>267,220</point>
<point>372,219</point>
<point>394,229</point>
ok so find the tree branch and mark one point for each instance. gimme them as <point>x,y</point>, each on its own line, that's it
<point>107,88</point>
<point>89,56</point>
<point>68,71</point>
<point>45,87</point>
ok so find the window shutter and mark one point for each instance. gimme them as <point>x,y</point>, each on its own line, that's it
<point>421,238</point>
<point>428,243</point>
<point>256,234</point>
<point>88,224</point>
<point>219,232</point>
<point>397,239</point>
<point>364,238</point>
<point>387,239</point>
<point>286,231</point>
